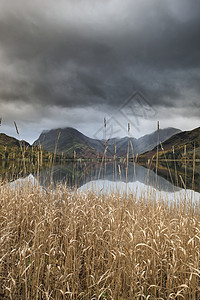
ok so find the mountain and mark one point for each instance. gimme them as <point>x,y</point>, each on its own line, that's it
<point>8,141</point>
<point>183,144</point>
<point>10,146</point>
<point>68,140</point>
<point>149,141</point>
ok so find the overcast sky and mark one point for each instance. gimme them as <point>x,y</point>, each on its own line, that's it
<point>74,62</point>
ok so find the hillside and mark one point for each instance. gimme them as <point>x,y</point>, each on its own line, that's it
<point>147,142</point>
<point>10,146</point>
<point>10,149</point>
<point>9,141</point>
<point>183,144</point>
<point>70,140</point>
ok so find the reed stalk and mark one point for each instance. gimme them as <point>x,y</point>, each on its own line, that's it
<point>70,245</point>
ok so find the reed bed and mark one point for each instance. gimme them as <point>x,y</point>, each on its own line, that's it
<point>63,244</point>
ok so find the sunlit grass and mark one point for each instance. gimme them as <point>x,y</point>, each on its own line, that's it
<point>60,244</point>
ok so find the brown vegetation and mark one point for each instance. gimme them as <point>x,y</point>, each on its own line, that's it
<point>63,244</point>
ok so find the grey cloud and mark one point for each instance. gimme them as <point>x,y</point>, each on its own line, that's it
<point>80,53</point>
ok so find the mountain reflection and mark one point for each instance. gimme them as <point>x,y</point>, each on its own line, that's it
<point>77,174</point>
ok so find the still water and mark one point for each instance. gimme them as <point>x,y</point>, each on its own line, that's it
<point>172,181</point>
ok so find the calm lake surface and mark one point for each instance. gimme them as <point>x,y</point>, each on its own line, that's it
<point>113,176</point>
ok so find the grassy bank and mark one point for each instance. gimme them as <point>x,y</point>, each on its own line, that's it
<point>65,245</point>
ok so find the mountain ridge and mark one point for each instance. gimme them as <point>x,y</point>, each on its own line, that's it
<point>10,146</point>
<point>179,145</point>
<point>68,139</point>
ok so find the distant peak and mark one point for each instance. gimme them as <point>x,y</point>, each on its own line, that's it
<point>45,131</point>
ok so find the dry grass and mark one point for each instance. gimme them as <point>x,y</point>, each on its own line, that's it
<point>64,245</point>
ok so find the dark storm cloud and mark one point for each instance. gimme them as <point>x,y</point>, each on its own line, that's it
<point>80,53</point>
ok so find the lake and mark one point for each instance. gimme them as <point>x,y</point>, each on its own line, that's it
<point>112,176</point>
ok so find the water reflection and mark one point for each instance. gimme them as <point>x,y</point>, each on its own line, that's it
<point>181,174</point>
<point>171,177</point>
<point>79,174</point>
